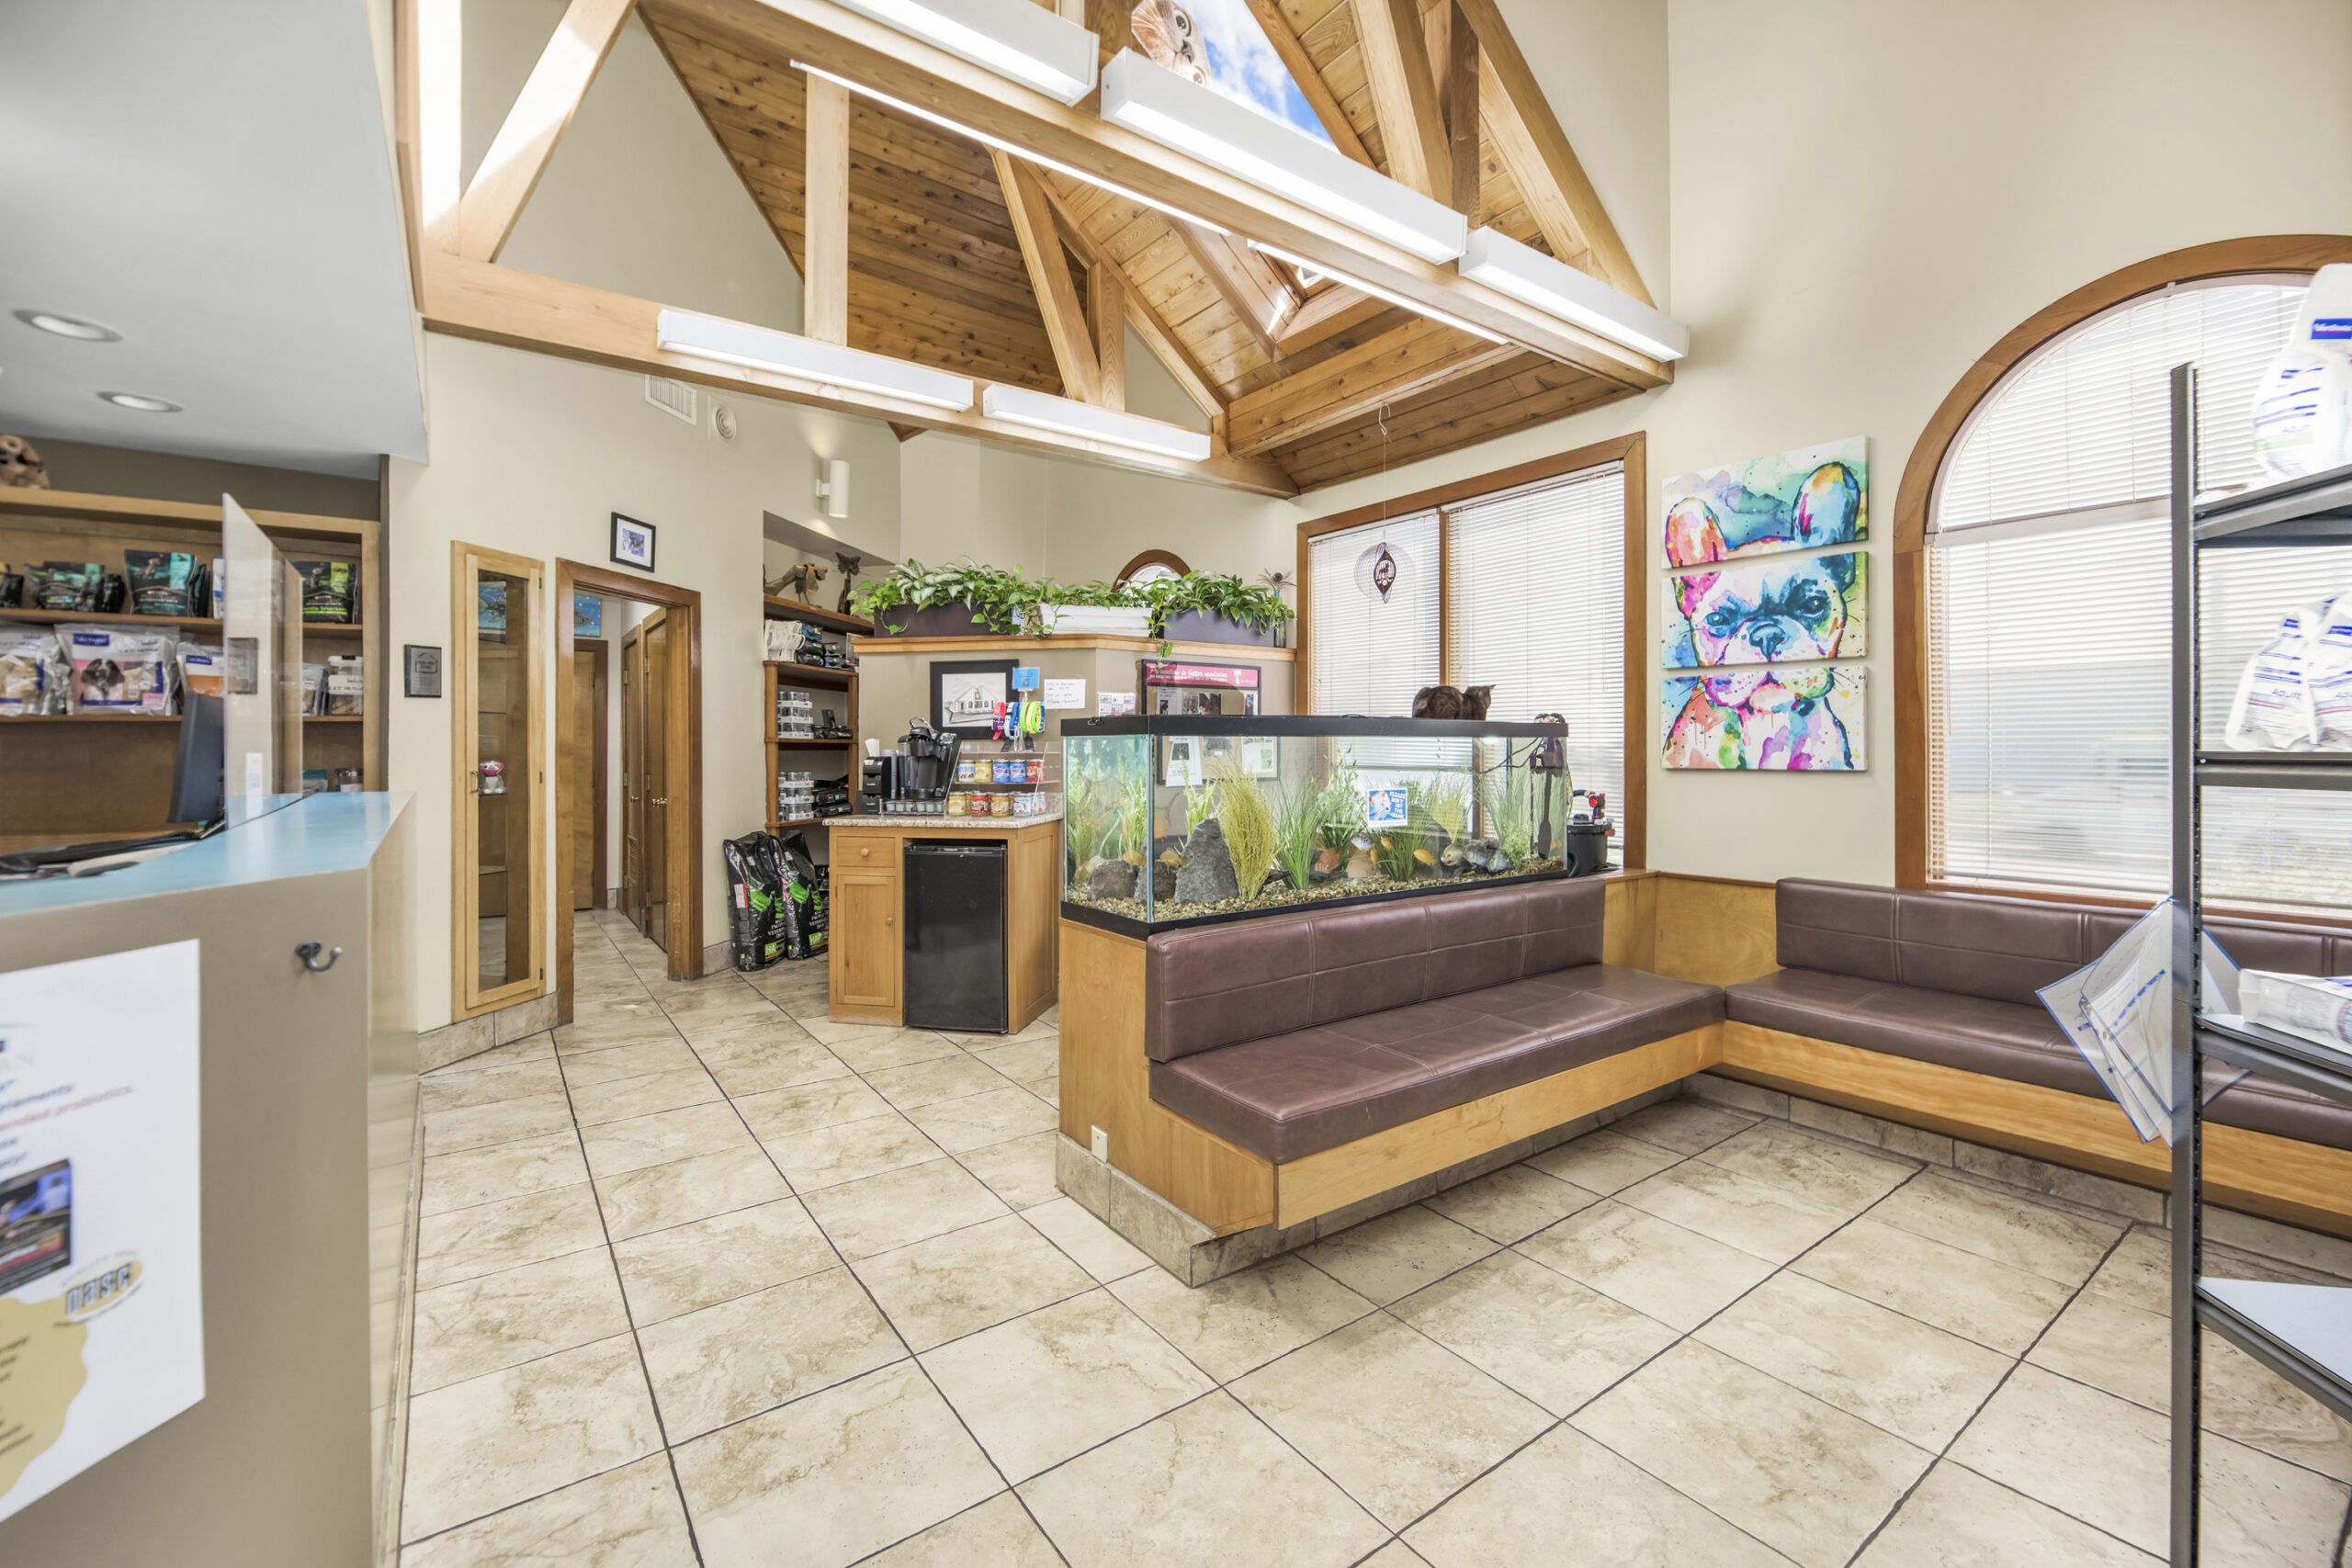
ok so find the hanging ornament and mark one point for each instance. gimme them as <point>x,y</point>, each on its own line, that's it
<point>1379,568</point>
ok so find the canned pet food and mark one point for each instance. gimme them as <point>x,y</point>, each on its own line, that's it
<point>959,803</point>
<point>965,769</point>
<point>1001,806</point>
<point>1036,770</point>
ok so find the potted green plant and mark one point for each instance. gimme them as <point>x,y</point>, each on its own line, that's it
<point>915,600</point>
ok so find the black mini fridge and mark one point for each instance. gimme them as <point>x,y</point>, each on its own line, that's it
<point>955,925</point>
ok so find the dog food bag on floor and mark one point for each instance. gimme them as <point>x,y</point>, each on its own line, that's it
<point>803,911</point>
<point>117,669</point>
<point>203,672</point>
<point>33,671</point>
<point>2273,708</point>
<point>754,892</point>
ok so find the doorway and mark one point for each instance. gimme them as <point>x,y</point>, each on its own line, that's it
<point>650,776</point>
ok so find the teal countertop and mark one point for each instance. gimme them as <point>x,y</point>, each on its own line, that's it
<point>308,836</point>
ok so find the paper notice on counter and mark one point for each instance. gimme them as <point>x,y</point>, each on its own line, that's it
<point>101,1290</point>
<point>1107,703</point>
<point>1065,694</point>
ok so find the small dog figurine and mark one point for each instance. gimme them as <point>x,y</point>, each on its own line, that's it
<point>1444,701</point>
<point>849,565</point>
<point>797,583</point>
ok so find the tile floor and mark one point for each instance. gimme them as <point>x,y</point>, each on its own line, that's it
<point>707,1279</point>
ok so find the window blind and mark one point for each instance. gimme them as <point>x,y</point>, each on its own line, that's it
<point>1536,577</point>
<point>2050,647</point>
<point>1369,655</point>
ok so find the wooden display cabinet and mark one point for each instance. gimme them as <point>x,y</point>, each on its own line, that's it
<point>798,753</point>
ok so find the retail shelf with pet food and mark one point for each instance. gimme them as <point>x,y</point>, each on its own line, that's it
<point>115,618</point>
<point>824,760</point>
<point>778,608</point>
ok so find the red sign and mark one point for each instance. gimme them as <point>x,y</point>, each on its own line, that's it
<point>1164,672</point>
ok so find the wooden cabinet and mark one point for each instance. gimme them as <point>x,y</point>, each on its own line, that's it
<point>864,939</point>
<point>867,934</point>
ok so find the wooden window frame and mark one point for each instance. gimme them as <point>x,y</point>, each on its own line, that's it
<point>2224,258</point>
<point>1633,451</point>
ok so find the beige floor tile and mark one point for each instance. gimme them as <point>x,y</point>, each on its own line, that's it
<point>998,1534</point>
<point>1804,1478</point>
<point>728,1003</point>
<point>1935,1283</point>
<point>1821,1169</point>
<point>1956,1518</point>
<point>1053,1384</point>
<point>517,1080</point>
<point>849,1151</point>
<point>1676,1275</point>
<point>1566,1499</point>
<point>615,1148</point>
<point>1538,1332</point>
<point>1398,1253</point>
<point>626,1098</point>
<point>1604,1161</point>
<point>515,1316</point>
<point>1515,1202</point>
<point>872,1047</point>
<point>1757,1217</point>
<point>463,1243</point>
<point>1047,1088</point>
<point>745,1066</point>
<point>1398,1420</point>
<point>782,1112</point>
<point>503,1170</point>
<point>1686,1126</point>
<point>927,1083</point>
<point>1395,1554</point>
<point>1100,1250</point>
<point>614,1024</point>
<point>2012,1230</point>
<point>2037,1432</point>
<point>659,1196</point>
<point>978,1120</point>
<point>2257,1509</point>
<point>1899,1374</point>
<point>969,1279</point>
<point>1023,1061</point>
<point>900,1207</point>
<point>669,1272</point>
<point>741,1357</point>
<point>1204,1486</point>
<point>1021,1172</point>
<point>530,1048</point>
<point>481,1445</point>
<point>829,1479</point>
<point>585,1069</point>
<point>1234,1324</point>
<point>628,1518</point>
<point>498,1122</point>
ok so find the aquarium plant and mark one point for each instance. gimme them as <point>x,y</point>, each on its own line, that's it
<point>1297,820</point>
<point>1248,821</point>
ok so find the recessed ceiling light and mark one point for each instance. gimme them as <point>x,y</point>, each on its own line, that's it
<point>69,326</point>
<point>139,402</point>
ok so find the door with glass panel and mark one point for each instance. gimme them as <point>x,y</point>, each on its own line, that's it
<point>500,896</point>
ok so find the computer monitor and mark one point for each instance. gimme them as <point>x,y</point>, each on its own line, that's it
<point>197,782</point>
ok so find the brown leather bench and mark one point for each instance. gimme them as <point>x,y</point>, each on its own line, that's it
<point>1296,1034</point>
<point>1947,981</point>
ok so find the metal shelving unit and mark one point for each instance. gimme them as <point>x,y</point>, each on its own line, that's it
<point>2301,1332</point>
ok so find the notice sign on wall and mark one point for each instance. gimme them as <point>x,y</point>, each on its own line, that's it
<point>101,1297</point>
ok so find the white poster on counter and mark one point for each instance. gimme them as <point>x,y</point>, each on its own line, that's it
<point>1066,694</point>
<point>101,1290</point>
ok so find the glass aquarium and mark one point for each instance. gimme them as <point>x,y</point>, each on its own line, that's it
<point>1171,821</point>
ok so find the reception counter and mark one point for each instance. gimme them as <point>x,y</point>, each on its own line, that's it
<point>207,1371</point>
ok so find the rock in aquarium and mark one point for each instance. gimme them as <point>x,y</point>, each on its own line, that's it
<point>1112,879</point>
<point>1206,876</point>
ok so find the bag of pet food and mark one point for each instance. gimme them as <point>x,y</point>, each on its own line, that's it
<point>33,671</point>
<point>2273,710</point>
<point>163,583</point>
<point>754,891</point>
<point>343,685</point>
<point>330,592</point>
<point>64,586</point>
<point>314,689</point>
<point>118,670</point>
<point>203,672</point>
<point>803,912</point>
<point>2328,674</point>
<point>2302,405</point>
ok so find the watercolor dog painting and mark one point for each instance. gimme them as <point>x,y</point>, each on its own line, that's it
<point>1792,500</point>
<point>1780,720</point>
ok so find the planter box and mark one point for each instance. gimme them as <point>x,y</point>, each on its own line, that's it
<point>1072,620</point>
<point>932,620</point>
<point>1199,626</point>
<point>1088,620</point>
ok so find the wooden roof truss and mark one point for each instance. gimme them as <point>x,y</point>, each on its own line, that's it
<point>975,246</point>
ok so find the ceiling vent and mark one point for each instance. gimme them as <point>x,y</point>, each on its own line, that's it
<point>673,397</point>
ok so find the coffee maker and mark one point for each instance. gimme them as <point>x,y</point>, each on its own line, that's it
<point>911,781</point>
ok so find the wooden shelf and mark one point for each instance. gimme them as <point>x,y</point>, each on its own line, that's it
<point>331,629</point>
<point>835,742</point>
<point>781,609</point>
<point>115,618</point>
<point>333,718</point>
<point>790,672</point>
<point>171,719</point>
<point>775,826</point>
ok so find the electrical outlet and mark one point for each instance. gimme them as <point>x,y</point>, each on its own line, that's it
<point>1102,1146</point>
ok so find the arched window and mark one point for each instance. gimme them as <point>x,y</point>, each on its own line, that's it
<point>2045,587</point>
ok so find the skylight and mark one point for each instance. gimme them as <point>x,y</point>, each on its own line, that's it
<point>1236,60</point>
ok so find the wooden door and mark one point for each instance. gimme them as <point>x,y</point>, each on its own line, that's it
<point>632,776</point>
<point>590,698</point>
<point>654,694</point>
<point>501,892</point>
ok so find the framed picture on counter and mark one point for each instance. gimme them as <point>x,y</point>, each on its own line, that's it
<point>965,695</point>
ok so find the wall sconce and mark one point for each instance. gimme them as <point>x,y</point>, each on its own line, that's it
<point>834,488</point>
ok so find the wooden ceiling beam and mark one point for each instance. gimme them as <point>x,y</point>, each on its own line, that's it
<point>1057,301</point>
<point>1453,65</point>
<point>1246,280</point>
<point>1536,149</point>
<point>1395,365</point>
<point>1106,318</point>
<point>824,288</point>
<point>1326,315</point>
<point>1276,26</point>
<point>518,154</point>
<point>1404,95</point>
<point>1164,345</point>
<point>489,303</point>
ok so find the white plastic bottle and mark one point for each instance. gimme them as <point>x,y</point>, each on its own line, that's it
<point>2302,405</point>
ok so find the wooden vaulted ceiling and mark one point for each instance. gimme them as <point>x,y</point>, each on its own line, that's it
<point>1321,381</point>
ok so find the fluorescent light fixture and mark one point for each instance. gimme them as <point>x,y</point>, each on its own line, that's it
<point>1012,38</point>
<point>69,326</point>
<point>1002,145</point>
<point>784,353</point>
<point>1379,293</point>
<point>1529,276</point>
<point>1202,123</point>
<point>1019,405</point>
<point>139,402</point>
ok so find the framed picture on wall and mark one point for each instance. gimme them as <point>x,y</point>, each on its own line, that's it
<point>632,543</point>
<point>963,695</point>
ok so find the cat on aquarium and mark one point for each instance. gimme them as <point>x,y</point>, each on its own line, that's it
<point>1445,702</point>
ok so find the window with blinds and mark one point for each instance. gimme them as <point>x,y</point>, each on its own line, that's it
<point>1533,605</point>
<point>2049,615</point>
